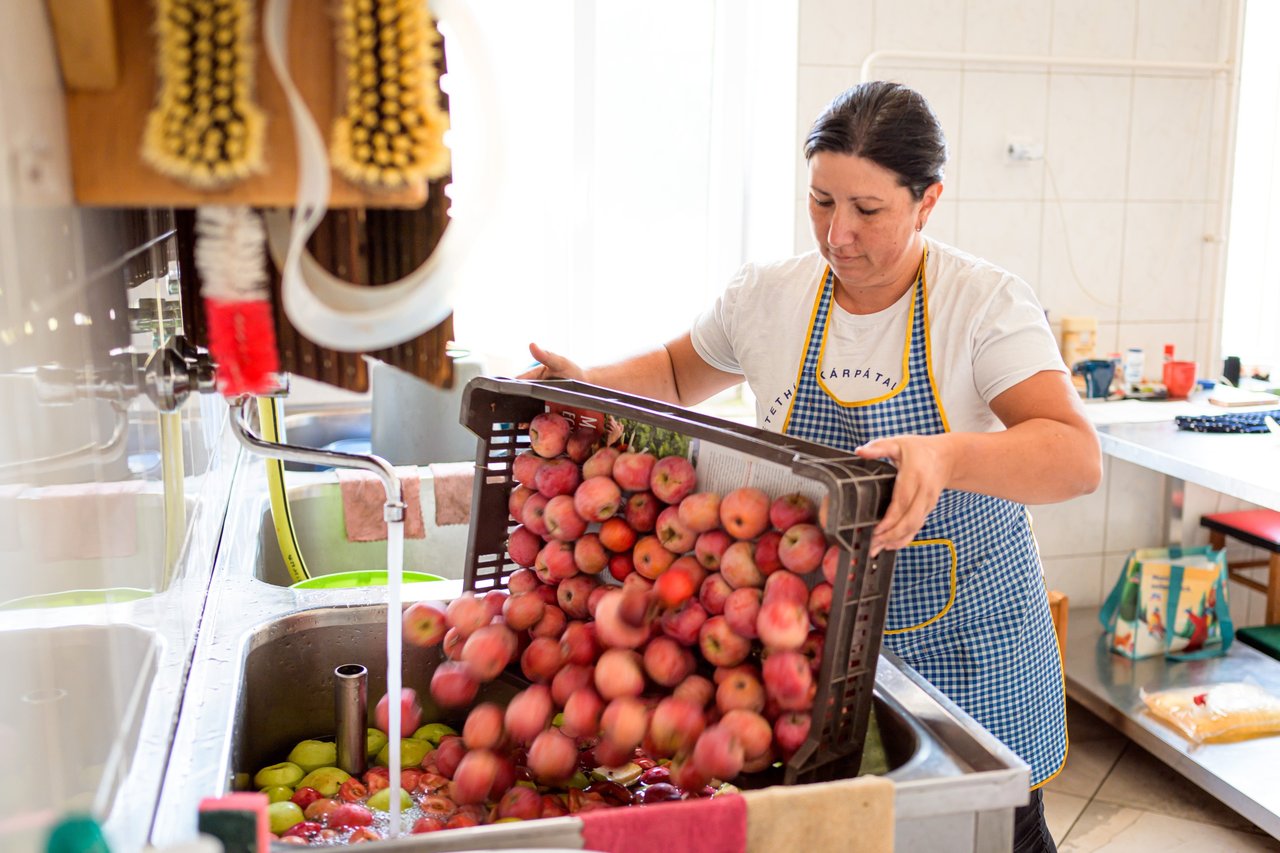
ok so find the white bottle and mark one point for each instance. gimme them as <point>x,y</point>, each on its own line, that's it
<point>1133,367</point>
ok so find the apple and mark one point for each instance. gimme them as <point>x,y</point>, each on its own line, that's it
<point>311,754</point>
<point>571,678</point>
<point>522,611</point>
<point>674,587</point>
<point>467,613</point>
<point>541,660</point>
<point>528,713</point>
<point>553,806</point>
<point>619,673</point>
<point>710,547</point>
<point>718,753</point>
<point>326,780</point>
<point>831,566</point>
<point>320,810</point>
<point>589,554</point>
<point>623,723</point>
<point>674,534</point>
<point>674,726</point>
<point>738,566</point>
<point>683,623</point>
<point>452,644</point>
<point>572,594</point>
<point>578,642</point>
<point>522,580</point>
<point>790,732</point>
<point>641,511</point>
<point>410,714</point>
<point>723,673</point>
<point>820,604</point>
<point>557,477</point>
<point>581,444</point>
<point>785,586</point>
<point>487,652</point>
<point>411,754</point>
<point>280,793</point>
<point>304,797</point>
<point>448,754</point>
<point>696,689</point>
<point>751,729</point>
<point>548,434</point>
<point>515,501</point>
<point>600,463</point>
<point>282,815</point>
<point>452,685</point>
<point>483,728</point>
<point>555,562</point>
<point>616,535</point>
<point>551,624</point>
<point>593,600</point>
<point>672,479</point>
<point>525,468</point>
<point>767,552</point>
<point>428,823</point>
<point>520,803</point>
<point>719,645</point>
<point>802,548</point>
<point>741,609</point>
<point>700,512</point>
<point>631,471</point>
<point>598,499</point>
<point>350,815</point>
<point>812,649</point>
<point>475,776</point>
<point>552,757</point>
<point>637,581</point>
<point>792,509</point>
<point>621,565</point>
<point>744,512</point>
<point>788,681</point>
<point>532,514</point>
<point>611,629</point>
<point>667,662</point>
<point>651,557</point>
<point>563,521</point>
<point>375,740</point>
<point>494,600</point>
<point>713,593</point>
<point>741,690</point>
<point>783,625</point>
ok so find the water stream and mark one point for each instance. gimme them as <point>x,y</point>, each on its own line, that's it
<point>395,570</point>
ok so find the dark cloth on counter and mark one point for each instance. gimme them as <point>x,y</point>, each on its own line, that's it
<point>1030,832</point>
<point>1236,422</point>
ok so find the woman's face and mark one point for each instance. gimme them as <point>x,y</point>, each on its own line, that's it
<point>865,222</point>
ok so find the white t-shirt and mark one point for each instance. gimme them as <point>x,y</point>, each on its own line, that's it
<point>987,333</point>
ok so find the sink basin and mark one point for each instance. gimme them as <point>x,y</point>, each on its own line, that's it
<point>77,695</point>
<point>316,509</point>
<point>351,427</point>
<point>287,686</point>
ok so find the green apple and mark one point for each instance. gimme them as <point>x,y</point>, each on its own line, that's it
<point>432,732</point>
<point>381,800</point>
<point>374,741</point>
<point>314,754</point>
<point>277,793</point>
<point>283,815</point>
<point>412,751</point>
<point>241,782</point>
<point>284,773</point>
<point>326,780</point>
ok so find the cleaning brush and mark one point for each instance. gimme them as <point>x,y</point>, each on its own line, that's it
<point>230,255</point>
<point>205,128</point>
<point>391,130</point>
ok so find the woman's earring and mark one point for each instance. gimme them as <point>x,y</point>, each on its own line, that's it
<point>919,226</point>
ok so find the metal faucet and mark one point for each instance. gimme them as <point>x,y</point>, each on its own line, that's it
<point>394,508</point>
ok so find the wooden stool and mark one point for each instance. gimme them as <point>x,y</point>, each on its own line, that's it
<point>1257,527</point>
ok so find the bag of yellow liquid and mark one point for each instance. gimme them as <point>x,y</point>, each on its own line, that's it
<point>1219,713</point>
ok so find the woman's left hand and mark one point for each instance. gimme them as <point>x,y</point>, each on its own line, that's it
<point>924,468</point>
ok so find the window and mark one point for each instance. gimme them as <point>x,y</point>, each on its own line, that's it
<point>647,152</point>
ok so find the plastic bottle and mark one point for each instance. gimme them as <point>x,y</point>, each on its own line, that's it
<point>1133,366</point>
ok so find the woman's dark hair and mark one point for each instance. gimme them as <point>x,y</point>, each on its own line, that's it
<point>890,125</point>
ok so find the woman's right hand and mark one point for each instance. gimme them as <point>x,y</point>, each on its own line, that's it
<point>552,366</point>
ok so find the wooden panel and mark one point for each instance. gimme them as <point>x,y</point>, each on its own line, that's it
<point>85,32</point>
<point>105,128</point>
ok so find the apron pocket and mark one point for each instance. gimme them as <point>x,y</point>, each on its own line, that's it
<point>924,585</point>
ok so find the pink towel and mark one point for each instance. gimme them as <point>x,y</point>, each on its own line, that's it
<point>83,521</point>
<point>454,482</point>
<point>363,499</point>
<point>717,825</point>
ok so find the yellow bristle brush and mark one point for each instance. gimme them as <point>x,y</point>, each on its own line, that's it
<point>391,131</point>
<point>205,129</point>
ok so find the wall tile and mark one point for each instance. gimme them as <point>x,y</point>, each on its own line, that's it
<point>1072,528</point>
<point>1169,140</point>
<point>1162,267</point>
<point>803,234</point>
<point>997,107</point>
<point>1095,28</point>
<point>1180,30</point>
<point>936,25</point>
<point>1079,578</point>
<point>1135,507</point>
<point>834,32</point>
<point>1152,337</point>
<point>1080,258</point>
<point>1006,233</point>
<point>1088,136</point>
<point>1108,339</point>
<point>1007,26</point>
<point>942,222</point>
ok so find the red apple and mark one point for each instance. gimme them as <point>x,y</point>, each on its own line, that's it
<point>714,593</point>
<point>674,534</point>
<point>520,803</point>
<point>452,685</point>
<point>783,625</point>
<point>672,479</point>
<point>624,722</point>
<point>582,713</point>
<point>532,514</point>
<point>718,754</point>
<point>741,609</point>
<point>548,434</point>
<point>475,776</point>
<point>767,552</point>
<point>619,673</point>
<point>719,645</point>
<point>528,713</point>
<point>788,681</point>
<point>700,511</point>
<point>557,477</point>
<point>752,731</point>
<point>350,815</point>
<point>738,566</point>
<point>674,587</point>
<point>552,757</point>
<point>572,594</point>
<point>541,660</point>
<point>448,754</point>
<point>571,678</point>
<point>515,501</point>
<point>483,728</point>
<point>696,689</point>
<point>651,558</point>
<point>598,499</point>
<point>710,547</point>
<point>551,624</point>
<point>683,623</point>
<point>424,624</point>
<point>611,629</point>
<point>452,644</point>
<point>555,562</point>
<point>790,732</point>
<point>600,463</point>
<point>525,468</point>
<point>674,726</point>
<point>631,470</point>
<point>522,580</point>
<point>667,662</point>
<point>785,586</point>
<point>522,611</point>
<point>487,652</point>
<point>410,713</point>
<point>581,444</point>
<point>789,510</point>
<point>641,511</point>
<point>820,604</point>
<point>467,613</point>
<point>617,535</point>
<point>744,512</point>
<point>741,690</point>
<point>578,642</point>
<point>563,521</point>
<point>812,649</point>
<point>802,548</point>
<point>621,565</point>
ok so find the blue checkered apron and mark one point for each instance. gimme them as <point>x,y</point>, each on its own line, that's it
<point>968,607</point>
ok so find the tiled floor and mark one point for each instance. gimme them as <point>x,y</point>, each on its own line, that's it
<point>1114,796</point>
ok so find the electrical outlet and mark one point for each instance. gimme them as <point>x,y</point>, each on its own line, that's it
<point>1022,148</point>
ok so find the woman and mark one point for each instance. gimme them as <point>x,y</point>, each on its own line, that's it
<point>894,346</point>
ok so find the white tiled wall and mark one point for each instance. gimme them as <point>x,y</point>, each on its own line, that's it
<point>1119,221</point>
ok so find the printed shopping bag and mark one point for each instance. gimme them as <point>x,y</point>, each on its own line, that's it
<point>1170,601</point>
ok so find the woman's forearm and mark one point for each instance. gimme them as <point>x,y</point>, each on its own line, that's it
<point>1038,461</point>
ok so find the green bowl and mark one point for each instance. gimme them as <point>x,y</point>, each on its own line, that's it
<point>77,598</point>
<point>348,580</point>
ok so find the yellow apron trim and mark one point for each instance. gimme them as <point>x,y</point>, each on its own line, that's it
<point>928,348</point>
<point>817,300</point>
<point>951,599</point>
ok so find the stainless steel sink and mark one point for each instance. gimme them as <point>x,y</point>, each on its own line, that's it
<point>318,524</point>
<point>322,427</point>
<point>92,680</point>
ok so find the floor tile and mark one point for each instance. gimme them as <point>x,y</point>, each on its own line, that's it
<point>1083,724</point>
<point>1061,811</point>
<point>1109,828</point>
<point>1088,763</point>
<point>1143,781</point>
